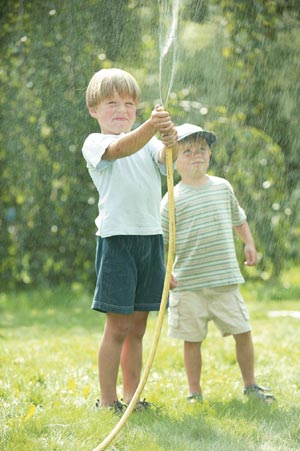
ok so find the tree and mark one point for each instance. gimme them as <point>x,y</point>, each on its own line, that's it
<point>227,78</point>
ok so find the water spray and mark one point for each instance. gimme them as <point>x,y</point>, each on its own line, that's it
<point>168,26</point>
<point>167,41</point>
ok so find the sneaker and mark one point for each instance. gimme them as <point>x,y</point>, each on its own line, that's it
<point>194,398</point>
<point>255,392</point>
<point>117,407</point>
<point>143,405</point>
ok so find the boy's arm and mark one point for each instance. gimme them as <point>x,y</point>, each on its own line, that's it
<point>134,140</point>
<point>245,234</point>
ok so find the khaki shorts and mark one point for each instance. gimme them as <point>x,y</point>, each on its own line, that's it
<point>190,312</point>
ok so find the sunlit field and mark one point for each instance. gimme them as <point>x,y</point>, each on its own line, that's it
<point>48,380</point>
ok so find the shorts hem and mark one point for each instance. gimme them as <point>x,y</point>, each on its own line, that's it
<point>109,309</point>
<point>237,332</point>
<point>185,338</point>
<point>126,310</point>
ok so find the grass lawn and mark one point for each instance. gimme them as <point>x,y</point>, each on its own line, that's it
<point>48,379</point>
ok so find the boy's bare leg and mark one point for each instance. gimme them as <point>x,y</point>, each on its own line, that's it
<point>115,332</point>
<point>193,364</point>
<point>132,354</point>
<point>245,357</point>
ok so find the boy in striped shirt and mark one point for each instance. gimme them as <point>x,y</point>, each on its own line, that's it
<point>206,268</point>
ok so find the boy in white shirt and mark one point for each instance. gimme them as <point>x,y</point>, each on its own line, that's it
<point>125,166</point>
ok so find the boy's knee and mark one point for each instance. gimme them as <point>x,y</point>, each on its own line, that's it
<point>118,330</point>
<point>138,330</point>
<point>120,334</point>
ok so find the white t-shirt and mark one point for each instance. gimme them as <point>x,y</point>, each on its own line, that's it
<point>129,188</point>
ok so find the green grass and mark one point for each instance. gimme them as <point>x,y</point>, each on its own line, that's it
<point>48,379</point>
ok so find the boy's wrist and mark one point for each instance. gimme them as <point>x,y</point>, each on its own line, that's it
<point>150,126</point>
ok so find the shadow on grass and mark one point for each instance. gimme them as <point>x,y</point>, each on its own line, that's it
<point>217,426</point>
<point>191,432</point>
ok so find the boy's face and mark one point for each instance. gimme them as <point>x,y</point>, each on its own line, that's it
<point>115,114</point>
<point>193,158</point>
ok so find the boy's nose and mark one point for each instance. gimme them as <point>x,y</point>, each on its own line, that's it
<point>121,106</point>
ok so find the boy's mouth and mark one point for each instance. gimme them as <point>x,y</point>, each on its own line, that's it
<point>198,162</point>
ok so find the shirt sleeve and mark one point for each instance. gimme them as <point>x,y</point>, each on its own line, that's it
<point>94,147</point>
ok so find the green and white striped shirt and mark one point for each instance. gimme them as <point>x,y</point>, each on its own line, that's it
<point>205,253</point>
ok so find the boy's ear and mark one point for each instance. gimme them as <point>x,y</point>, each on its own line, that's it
<point>93,112</point>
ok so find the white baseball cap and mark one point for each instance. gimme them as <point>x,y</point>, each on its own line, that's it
<point>186,130</point>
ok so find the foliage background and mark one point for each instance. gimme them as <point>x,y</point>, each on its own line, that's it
<point>237,74</point>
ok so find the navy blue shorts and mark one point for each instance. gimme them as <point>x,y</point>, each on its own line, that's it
<point>130,273</point>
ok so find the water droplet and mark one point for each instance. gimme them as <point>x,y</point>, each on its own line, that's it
<point>266,184</point>
<point>276,206</point>
<point>288,211</point>
<point>91,200</point>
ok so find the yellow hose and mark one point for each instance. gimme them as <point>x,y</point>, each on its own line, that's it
<point>164,299</point>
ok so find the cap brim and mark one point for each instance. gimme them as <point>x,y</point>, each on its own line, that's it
<point>210,137</point>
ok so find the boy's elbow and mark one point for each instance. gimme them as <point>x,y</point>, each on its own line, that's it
<point>113,153</point>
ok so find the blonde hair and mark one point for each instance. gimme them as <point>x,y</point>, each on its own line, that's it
<point>106,82</point>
